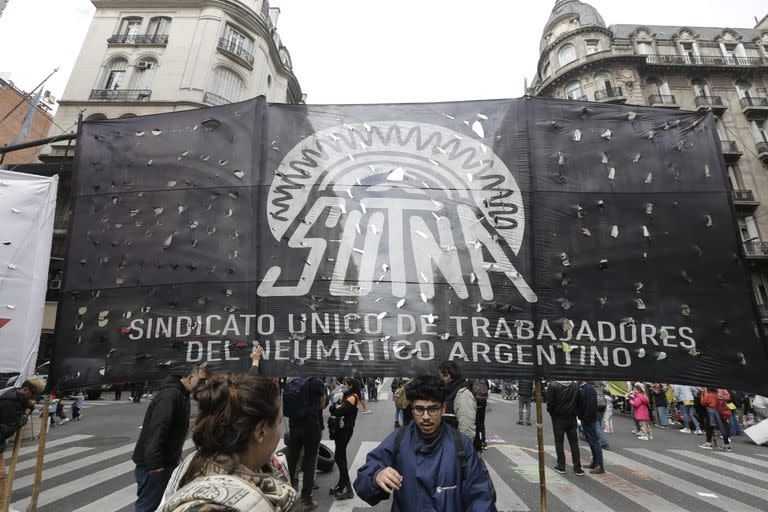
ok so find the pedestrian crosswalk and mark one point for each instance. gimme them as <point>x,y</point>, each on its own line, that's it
<point>83,475</point>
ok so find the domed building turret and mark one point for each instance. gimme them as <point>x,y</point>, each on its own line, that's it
<point>718,69</point>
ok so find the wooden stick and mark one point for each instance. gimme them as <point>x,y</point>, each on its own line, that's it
<point>540,439</point>
<point>3,488</point>
<point>40,456</point>
<point>12,469</point>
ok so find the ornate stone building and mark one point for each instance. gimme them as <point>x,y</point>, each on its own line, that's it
<point>694,68</point>
<point>150,56</point>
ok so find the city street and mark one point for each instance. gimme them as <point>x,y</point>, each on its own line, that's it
<point>88,466</point>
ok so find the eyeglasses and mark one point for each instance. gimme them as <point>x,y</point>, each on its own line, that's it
<point>432,410</point>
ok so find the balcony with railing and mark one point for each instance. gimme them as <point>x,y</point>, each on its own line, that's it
<point>663,100</point>
<point>702,60</point>
<point>120,95</point>
<point>235,50</point>
<point>612,95</point>
<point>583,97</point>
<point>215,99</point>
<point>762,151</point>
<point>138,40</point>
<point>754,106</point>
<point>731,151</point>
<point>763,309</point>
<point>756,249</point>
<point>713,103</point>
<point>744,199</point>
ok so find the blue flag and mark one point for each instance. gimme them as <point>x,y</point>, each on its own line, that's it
<point>26,127</point>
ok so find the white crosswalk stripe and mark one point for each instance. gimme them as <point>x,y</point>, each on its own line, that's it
<point>53,443</point>
<point>713,480</point>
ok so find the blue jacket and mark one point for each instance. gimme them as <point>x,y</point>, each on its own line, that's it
<point>432,475</point>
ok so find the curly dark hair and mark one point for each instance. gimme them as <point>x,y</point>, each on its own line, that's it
<point>426,387</point>
<point>230,407</point>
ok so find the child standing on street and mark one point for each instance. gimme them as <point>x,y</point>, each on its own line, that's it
<point>78,404</point>
<point>640,411</point>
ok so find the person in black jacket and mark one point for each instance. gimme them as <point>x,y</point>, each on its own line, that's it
<point>158,450</point>
<point>587,412</point>
<point>524,395</point>
<point>14,403</point>
<point>346,410</point>
<point>562,400</point>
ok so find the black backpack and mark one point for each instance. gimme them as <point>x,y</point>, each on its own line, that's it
<point>296,399</point>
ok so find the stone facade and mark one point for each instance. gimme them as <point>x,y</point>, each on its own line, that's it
<point>693,68</point>
<point>148,56</point>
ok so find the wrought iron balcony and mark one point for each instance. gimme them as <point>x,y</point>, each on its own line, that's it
<point>702,60</point>
<point>763,308</point>
<point>731,151</point>
<point>743,195</point>
<point>120,94</point>
<point>762,150</point>
<point>147,39</point>
<point>714,103</point>
<point>662,100</point>
<point>614,93</point>
<point>756,249</point>
<point>235,49</point>
<point>215,99</point>
<point>754,106</point>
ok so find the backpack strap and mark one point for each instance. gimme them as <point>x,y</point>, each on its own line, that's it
<point>398,441</point>
<point>460,448</point>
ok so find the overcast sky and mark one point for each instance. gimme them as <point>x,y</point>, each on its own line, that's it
<point>373,51</point>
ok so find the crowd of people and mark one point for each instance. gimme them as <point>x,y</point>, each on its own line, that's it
<point>439,428</point>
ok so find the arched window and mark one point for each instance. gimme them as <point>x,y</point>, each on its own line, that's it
<point>158,26</point>
<point>603,81</point>
<point>573,90</point>
<point>127,114</point>
<point>744,89</point>
<point>228,85</point>
<point>143,74</point>
<point>96,117</point>
<point>129,29</point>
<point>566,54</point>
<point>114,76</point>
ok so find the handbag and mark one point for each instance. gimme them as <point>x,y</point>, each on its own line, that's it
<point>334,425</point>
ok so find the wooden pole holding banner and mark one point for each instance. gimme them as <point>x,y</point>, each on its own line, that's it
<point>4,499</point>
<point>8,488</point>
<point>540,441</point>
<point>40,456</point>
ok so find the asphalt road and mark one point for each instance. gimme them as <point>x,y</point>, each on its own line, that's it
<point>88,466</point>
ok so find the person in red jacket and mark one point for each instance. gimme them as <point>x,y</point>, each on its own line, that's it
<point>640,411</point>
<point>716,400</point>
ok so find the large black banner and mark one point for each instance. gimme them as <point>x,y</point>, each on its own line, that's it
<point>517,237</point>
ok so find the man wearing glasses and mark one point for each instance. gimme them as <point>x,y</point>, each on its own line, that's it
<point>426,464</point>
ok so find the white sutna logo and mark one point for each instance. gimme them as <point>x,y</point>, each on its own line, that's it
<point>388,182</point>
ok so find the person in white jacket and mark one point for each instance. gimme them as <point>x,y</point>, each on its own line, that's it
<point>684,398</point>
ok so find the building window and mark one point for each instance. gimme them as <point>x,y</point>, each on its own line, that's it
<point>593,46</point>
<point>748,229</point>
<point>657,86</point>
<point>688,52</point>
<point>228,85</point>
<point>143,74</point>
<point>700,87</point>
<point>158,26</point>
<point>734,176</point>
<point>729,50</point>
<point>760,129</point>
<point>129,29</point>
<point>115,75</point>
<point>744,89</point>
<point>566,54</point>
<point>603,82</point>
<point>644,48</point>
<point>573,90</point>
<point>237,41</point>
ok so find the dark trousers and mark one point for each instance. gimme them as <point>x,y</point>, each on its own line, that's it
<point>593,438</point>
<point>373,392</point>
<point>566,426</point>
<point>150,488</point>
<point>480,424</point>
<point>306,436</point>
<point>341,439</point>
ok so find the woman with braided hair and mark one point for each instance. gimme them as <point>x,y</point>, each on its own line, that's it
<point>237,431</point>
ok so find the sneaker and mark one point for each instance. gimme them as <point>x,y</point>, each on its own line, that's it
<point>592,465</point>
<point>598,470</point>
<point>520,422</point>
<point>706,446</point>
<point>367,412</point>
<point>643,438</point>
<point>345,493</point>
<point>560,469</point>
<point>527,423</point>
<point>698,432</point>
<point>727,448</point>
<point>636,432</point>
<point>685,430</point>
<point>578,472</point>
